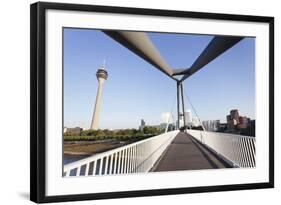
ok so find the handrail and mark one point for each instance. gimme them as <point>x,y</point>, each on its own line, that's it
<point>236,149</point>
<point>136,157</point>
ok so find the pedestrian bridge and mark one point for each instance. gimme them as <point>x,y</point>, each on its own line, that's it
<point>175,150</point>
<point>170,151</point>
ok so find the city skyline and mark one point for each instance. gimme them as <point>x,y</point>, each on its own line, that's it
<point>132,83</point>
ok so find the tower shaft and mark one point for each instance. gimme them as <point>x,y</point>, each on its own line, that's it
<point>95,118</point>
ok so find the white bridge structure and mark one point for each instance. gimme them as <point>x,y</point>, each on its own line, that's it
<point>136,157</point>
<point>142,156</point>
<point>174,150</point>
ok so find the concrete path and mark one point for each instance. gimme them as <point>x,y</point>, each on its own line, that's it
<point>185,153</point>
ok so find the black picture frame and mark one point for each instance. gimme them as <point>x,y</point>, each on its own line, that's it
<point>38,100</point>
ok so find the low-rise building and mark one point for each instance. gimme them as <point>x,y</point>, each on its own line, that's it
<point>74,131</point>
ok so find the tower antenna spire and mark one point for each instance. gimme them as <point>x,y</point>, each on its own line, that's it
<point>103,64</point>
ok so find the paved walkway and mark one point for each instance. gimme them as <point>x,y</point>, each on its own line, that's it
<point>185,153</point>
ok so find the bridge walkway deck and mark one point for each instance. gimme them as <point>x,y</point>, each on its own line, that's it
<point>186,153</point>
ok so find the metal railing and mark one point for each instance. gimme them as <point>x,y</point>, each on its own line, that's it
<point>237,149</point>
<point>133,158</point>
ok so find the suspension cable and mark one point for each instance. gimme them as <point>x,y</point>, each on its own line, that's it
<point>193,108</point>
<point>171,113</point>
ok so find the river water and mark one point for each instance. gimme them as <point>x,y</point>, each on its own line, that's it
<point>72,158</point>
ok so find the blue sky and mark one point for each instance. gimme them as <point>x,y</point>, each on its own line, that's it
<point>136,90</point>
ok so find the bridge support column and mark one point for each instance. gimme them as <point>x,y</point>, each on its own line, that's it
<point>180,98</point>
<point>182,102</point>
<point>178,104</point>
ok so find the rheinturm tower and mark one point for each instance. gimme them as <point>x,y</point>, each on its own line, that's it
<point>102,77</point>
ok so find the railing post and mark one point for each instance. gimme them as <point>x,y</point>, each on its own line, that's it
<point>119,162</point>
<point>123,161</point>
<point>100,168</point>
<point>87,169</point>
<point>94,167</point>
<point>126,160</point>
<point>130,159</point>
<point>135,158</point>
<point>115,163</point>
<point>78,171</point>
<point>106,164</point>
<point>110,166</point>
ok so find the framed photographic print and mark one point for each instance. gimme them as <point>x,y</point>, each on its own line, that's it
<point>129,102</point>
